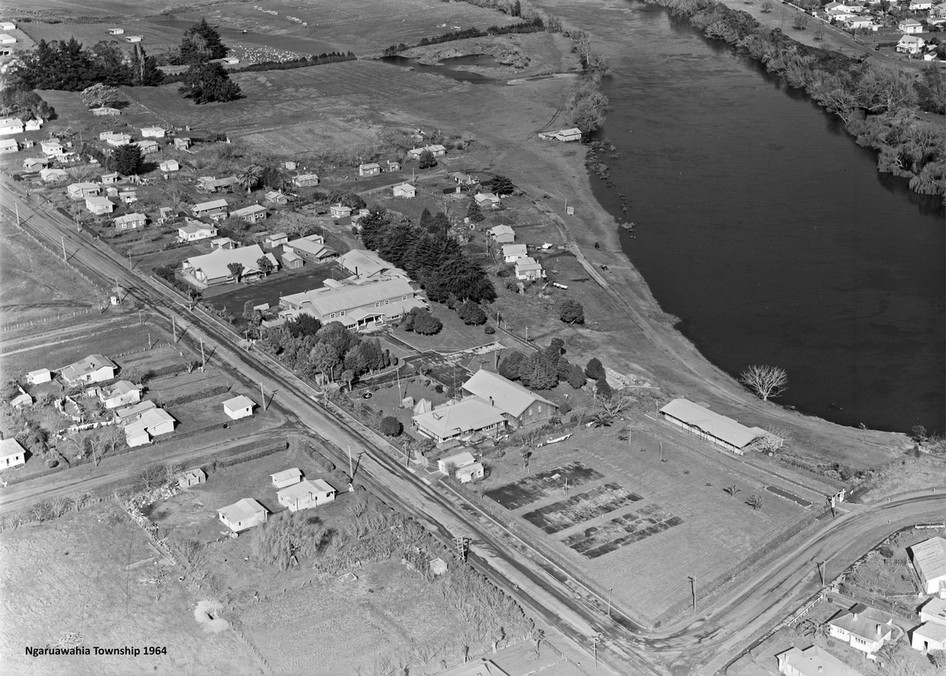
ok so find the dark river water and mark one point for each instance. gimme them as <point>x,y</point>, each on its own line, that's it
<point>770,234</point>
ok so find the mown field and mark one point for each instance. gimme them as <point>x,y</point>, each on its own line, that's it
<point>35,284</point>
<point>91,579</point>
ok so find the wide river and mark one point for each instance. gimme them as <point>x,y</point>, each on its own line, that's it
<point>771,235</point>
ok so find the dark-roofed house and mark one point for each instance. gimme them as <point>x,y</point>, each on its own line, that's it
<point>93,369</point>
<point>311,248</point>
<point>519,405</point>
<point>713,427</point>
<point>212,185</point>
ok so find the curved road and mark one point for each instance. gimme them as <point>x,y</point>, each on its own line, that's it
<point>701,646</point>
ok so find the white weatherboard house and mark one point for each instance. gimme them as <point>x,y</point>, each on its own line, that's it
<point>8,145</point>
<point>242,515</point>
<point>195,231</point>
<point>364,263</point>
<point>519,405</point>
<point>39,376</point>
<point>528,268</point>
<point>213,208</point>
<point>169,166</point>
<point>929,561</point>
<point>152,132</point>
<point>99,205</point>
<point>11,125</point>
<point>93,369</point>
<point>305,180</point>
<point>11,454</point>
<point>311,248</point>
<point>931,635</point>
<point>486,200</point>
<point>130,221</point>
<point>812,661</point>
<point>79,191</point>
<point>863,628</point>
<point>251,214</point>
<point>910,44</point>
<point>502,234</point>
<point>910,26</point>
<point>238,407</point>
<point>404,191</point>
<point>460,419</point>
<point>305,495</point>
<point>120,393</point>
<point>154,422</point>
<point>287,477</point>
<point>513,252</point>
<point>339,211</point>
<point>713,427</point>
<point>369,169</point>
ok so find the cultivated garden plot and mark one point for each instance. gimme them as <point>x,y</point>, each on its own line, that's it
<point>538,486</point>
<point>624,530</point>
<point>580,508</point>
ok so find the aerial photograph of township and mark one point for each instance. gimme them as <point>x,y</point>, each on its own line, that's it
<point>473,337</point>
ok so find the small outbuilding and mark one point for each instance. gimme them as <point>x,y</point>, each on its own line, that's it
<point>457,461</point>
<point>39,376</point>
<point>238,407</point>
<point>242,515</point>
<point>192,477</point>
<point>305,495</point>
<point>469,473</point>
<point>287,477</point>
<point>11,454</point>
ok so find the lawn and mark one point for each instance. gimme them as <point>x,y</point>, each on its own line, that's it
<point>92,579</point>
<point>35,285</point>
<point>234,296</point>
<point>455,336</point>
<point>646,508</point>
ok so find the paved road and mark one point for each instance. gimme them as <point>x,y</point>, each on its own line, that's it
<point>701,646</point>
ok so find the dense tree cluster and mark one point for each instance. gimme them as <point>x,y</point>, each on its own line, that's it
<point>588,104</point>
<point>436,260</point>
<point>18,100</point>
<point>421,321</point>
<point>474,213</point>
<point>571,311</point>
<point>208,82</point>
<point>595,371</point>
<point>500,185</point>
<point>331,351</point>
<point>201,42</point>
<point>543,369</point>
<point>68,66</point>
<point>352,200</point>
<point>534,25</point>
<point>127,160</point>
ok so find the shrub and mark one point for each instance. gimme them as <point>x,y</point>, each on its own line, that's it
<point>571,312</point>
<point>594,369</point>
<point>425,323</point>
<point>576,377</point>
<point>489,330</point>
<point>391,426</point>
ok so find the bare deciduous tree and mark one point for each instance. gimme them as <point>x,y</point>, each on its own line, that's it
<point>765,381</point>
<point>772,441</point>
<point>608,409</point>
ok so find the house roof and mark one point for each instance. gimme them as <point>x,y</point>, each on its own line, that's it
<point>242,510</point>
<point>507,396</point>
<point>467,415</point>
<point>127,412</point>
<point>272,237</point>
<point>85,185</point>
<point>249,211</point>
<point>93,201</point>
<point>85,366</point>
<point>130,217</point>
<point>815,661</point>
<point>286,474</point>
<point>238,402</point>
<point>119,388</point>
<point>9,143</point>
<point>930,557</point>
<point>860,620</point>
<point>367,263</point>
<point>10,447</point>
<point>460,459</point>
<point>289,257</point>
<point>499,230</point>
<point>304,488</point>
<point>150,418</point>
<point>212,204</point>
<point>514,250</point>
<point>936,608</point>
<point>714,424</point>
<point>313,244</point>
<point>194,227</point>
<point>527,263</point>
<point>485,197</point>
<point>932,631</point>
<point>215,264</point>
<point>369,165</point>
<point>327,300</point>
<point>38,372</point>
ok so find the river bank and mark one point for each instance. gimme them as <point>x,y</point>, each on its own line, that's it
<point>642,338</point>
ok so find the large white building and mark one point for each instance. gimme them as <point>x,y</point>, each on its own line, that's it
<point>929,561</point>
<point>358,304</point>
<point>713,427</point>
<point>213,268</point>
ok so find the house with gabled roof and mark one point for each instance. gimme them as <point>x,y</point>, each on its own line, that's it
<point>486,200</point>
<point>114,138</point>
<point>513,252</point>
<point>455,420</point>
<point>910,44</point>
<point>369,169</point>
<point>11,125</point>
<point>864,628</point>
<point>713,427</point>
<point>502,234</point>
<point>339,211</point>
<point>311,248</point>
<point>364,263</point>
<point>120,393</point>
<point>404,191</point>
<point>286,477</point>
<point>356,306</point>
<point>53,175</point>
<point>251,214</point>
<point>305,495</point>
<point>79,191</point>
<point>931,634</point>
<point>213,268</point>
<point>520,406</point>
<point>92,369</point>
<point>929,562</point>
<point>242,515</point>
<point>455,462</point>
<point>9,145</point>
<point>910,26</point>
<point>169,166</point>
<point>528,268</point>
<point>12,454</point>
<point>52,148</point>
<point>194,231</point>
<point>210,184</point>
<point>130,221</point>
<point>812,661</point>
<point>152,423</point>
<point>238,407</point>
<point>305,180</point>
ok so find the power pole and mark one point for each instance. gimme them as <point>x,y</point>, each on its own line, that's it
<point>351,467</point>
<point>16,207</point>
<point>149,340</point>
<point>398,373</point>
<point>821,570</point>
<point>262,394</point>
<point>595,640</point>
<point>463,546</point>
<point>203,359</point>
<point>609,601</point>
<point>174,327</point>
<point>661,451</point>
<point>63,240</point>
<point>692,589</point>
